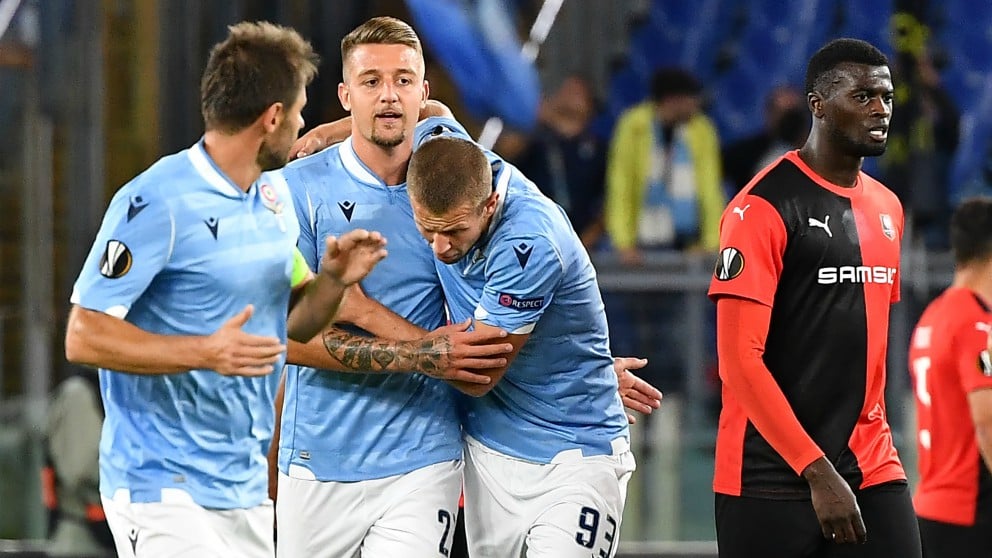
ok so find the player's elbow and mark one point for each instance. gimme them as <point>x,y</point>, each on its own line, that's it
<point>76,348</point>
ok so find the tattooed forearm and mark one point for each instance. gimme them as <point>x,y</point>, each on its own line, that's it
<point>365,354</point>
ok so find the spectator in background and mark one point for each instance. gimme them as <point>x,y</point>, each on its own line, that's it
<point>743,158</point>
<point>663,185</point>
<point>918,162</point>
<point>71,478</point>
<point>566,160</point>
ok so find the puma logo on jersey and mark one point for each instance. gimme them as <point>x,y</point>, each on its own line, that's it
<point>824,224</point>
<point>982,326</point>
<point>740,210</point>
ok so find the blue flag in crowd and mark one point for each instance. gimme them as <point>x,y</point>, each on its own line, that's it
<point>476,42</point>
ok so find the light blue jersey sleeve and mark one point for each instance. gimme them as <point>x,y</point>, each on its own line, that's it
<point>133,245</point>
<point>438,126</point>
<point>522,275</point>
<point>305,215</point>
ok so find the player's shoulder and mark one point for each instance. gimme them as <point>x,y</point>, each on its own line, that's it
<point>525,251</point>
<point>437,126</point>
<point>320,175</point>
<point>528,211</point>
<point>954,309</point>
<point>164,179</point>
<point>886,197</point>
<point>778,182</point>
<point>322,163</point>
<point>315,161</point>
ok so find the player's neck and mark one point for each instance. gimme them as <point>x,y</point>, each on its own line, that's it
<point>976,278</point>
<point>236,155</point>
<point>828,162</point>
<point>388,163</point>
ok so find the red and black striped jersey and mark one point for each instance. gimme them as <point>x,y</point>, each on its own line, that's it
<point>825,259</point>
<point>947,363</point>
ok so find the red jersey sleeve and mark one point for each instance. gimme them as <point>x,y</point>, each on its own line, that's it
<point>742,329</point>
<point>974,369</point>
<point>752,244</point>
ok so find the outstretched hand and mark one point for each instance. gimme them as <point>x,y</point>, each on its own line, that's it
<point>236,353</point>
<point>636,394</point>
<point>350,257</point>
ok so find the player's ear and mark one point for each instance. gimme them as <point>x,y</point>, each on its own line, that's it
<point>344,95</point>
<point>272,117</point>
<point>491,202</point>
<point>426,94</point>
<point>815,103</point>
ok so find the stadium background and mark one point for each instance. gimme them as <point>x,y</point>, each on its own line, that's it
<point>93,91</point>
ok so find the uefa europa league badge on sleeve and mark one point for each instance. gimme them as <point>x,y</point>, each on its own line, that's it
<point>271,202</point>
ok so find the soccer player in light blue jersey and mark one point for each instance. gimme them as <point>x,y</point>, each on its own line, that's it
<point>182,305</point>
<point>370,460</point>
<point>547,456</point>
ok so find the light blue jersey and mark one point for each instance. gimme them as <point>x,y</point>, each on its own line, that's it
<point>181,251</point>
<point>530,274</point>
<point>352,426</point>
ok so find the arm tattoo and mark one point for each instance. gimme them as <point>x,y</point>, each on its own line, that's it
<point>367,354</point>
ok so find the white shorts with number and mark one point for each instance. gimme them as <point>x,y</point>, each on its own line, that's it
<point>177,527</point>
<point>404,516</point>
<point>570,508</point>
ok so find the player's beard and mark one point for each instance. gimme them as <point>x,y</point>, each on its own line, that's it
<point>394,138</point>
<point>274,152</point>
<point>271,159</point>
<point>856,147</point>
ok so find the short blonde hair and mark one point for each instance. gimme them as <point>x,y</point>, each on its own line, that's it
<point>381,30</point>
<point>258,64</point>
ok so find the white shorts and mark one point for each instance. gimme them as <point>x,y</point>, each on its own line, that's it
<point>569,508</point>
<point>404,516</point>
<point>177,527</point>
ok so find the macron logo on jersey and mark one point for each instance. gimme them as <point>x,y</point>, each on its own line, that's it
<point>347,208</point>
<point>136,206</point>
<point>856,274</point>
<point>523,253</point>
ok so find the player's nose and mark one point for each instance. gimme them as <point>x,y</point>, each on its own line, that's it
<point>440,245</point>
<point>388,93</point>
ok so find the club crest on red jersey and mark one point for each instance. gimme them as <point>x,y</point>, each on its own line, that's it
<point>888,228</point>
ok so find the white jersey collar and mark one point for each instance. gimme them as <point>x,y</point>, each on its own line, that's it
<point>209,171</point>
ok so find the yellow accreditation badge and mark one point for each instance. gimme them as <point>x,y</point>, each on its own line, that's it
<point>301,271</point>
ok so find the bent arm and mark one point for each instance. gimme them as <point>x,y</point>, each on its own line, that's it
<point>495,374</point>
<point>314,308</point>
<point>100,340</point>
<point>742,329</point>
<point>343,351</point>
